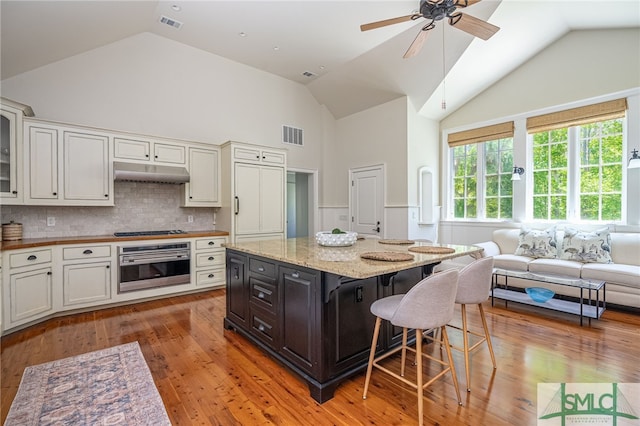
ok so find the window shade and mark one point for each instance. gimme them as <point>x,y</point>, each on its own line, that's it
<point>482,134</point>
<point>577,116</point>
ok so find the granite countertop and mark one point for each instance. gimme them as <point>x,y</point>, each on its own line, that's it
<point>346,261</point>
<point>90,239</point>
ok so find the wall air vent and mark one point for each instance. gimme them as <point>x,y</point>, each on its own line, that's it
<point>292,135</point>
<point>171,22</point>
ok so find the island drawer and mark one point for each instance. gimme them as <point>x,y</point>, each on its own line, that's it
<point>264,294</point>
<point>261,267</point>
<point>263,326</point>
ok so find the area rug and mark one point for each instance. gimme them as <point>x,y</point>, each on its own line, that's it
<point>112,386</point>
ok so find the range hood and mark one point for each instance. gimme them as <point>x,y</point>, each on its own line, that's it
<point>134,172</point>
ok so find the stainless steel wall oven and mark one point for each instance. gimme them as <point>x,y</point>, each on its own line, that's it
<point>154,265</point>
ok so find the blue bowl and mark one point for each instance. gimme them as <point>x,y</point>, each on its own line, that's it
<point>539,294</point>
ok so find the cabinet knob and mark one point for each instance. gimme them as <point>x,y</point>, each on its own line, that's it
<point>210,257</point>
<point>108,266</point>
<point>55,193</point>
<point>87,251</point>
<point>32,257</point>
<point>156,156</point>
<point>49,273</point>
<point>106,195</point>
<point>14,192</point>
<point>190,197</point>
<point>146,155</point>
<point>210,275</point>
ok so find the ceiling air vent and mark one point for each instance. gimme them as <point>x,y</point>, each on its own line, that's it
<point>292,135</point>
<point>309,74</point>
<point>171,22</point>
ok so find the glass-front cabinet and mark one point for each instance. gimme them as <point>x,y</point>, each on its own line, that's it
<point>10,136</point>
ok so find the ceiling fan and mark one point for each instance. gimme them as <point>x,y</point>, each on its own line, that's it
<point>437,10</point>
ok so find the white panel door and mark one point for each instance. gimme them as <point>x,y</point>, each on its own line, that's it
<point>272,187</point>
<point>367,200</point>
<point>247,199</point>
<point>86,167</point>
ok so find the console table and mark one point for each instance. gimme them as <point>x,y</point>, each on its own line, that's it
<point>588,307</point>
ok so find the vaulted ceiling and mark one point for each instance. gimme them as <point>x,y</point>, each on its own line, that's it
<point>347,70</point>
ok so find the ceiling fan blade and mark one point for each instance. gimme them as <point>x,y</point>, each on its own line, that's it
<point>384,23</point>
<point>476,27</point>
<point>417,44</point>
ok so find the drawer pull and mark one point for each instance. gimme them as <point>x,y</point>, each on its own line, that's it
<point>261,269</point>
<point>87,251</point>
<point>295,275</point>
<point>32,257</point>
<point>211,243</point>
<point>210,258</point>
<point>49,273</point>
<point>261,295</point>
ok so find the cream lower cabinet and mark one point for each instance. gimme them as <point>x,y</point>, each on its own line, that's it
<point>208,256</point>
<point>87,276</point>
<point>28,292</point>
<point>64,166</point>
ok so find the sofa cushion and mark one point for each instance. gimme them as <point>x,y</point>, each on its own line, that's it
<point>556,267</point>
<point>511,261</point>
<point>628,275</point>
<point>506,239</point>
<point>537,243</point>
<point>625,248</point>
<point>586,247</point>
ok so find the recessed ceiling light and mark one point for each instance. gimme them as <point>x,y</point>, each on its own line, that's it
<point>176,8</point>
<point>276,48</point>
<point>321,67</point>
<point>242,34</point>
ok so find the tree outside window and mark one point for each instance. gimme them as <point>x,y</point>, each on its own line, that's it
<point>596,194</point>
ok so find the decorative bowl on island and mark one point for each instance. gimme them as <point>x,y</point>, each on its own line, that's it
<point>539,294</point>
<point>331,239</point>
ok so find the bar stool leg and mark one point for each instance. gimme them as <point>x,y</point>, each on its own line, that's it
<point>486,335</point>
<point>465,339</point>
<point>404,351</point>
<point>452,368</point>
<point>372,355</point>
<point>419,374</point>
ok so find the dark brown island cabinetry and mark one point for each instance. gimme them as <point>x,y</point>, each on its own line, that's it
<point>316,323</point>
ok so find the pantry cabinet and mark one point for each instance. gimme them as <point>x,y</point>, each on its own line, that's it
<point>253,192</point>
<point>64,166</point>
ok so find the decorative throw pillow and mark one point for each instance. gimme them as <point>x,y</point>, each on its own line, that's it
<point>537,243</point>
<point>587,247</point>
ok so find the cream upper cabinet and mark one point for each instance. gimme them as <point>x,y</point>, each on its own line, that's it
<point>148,150</point>
<point>203,189</point>
<point>66,166</point>
<point>253,192</point>
<point>41,165</point>
<point>10,154</point>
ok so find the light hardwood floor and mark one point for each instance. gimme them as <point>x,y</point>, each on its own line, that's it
<point>210,376</point>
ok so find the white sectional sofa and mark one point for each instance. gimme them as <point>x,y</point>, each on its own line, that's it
<point>622,274</point>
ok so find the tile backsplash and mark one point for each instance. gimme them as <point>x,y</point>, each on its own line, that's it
<point>138,207</point>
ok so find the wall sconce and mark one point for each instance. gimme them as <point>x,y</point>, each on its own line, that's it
<point>517,171</point>
<point>634,161</point>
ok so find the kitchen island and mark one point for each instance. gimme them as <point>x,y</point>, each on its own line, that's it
<point>308,306</point>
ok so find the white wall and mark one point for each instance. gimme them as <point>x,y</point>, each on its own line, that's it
<point>151,85</point>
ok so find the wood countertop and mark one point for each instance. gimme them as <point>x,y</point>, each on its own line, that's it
<point>346,261</point>
<point>41,242</point>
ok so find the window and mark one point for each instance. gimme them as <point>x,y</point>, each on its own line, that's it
<point>577,172</point>
<point>483,169</point>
